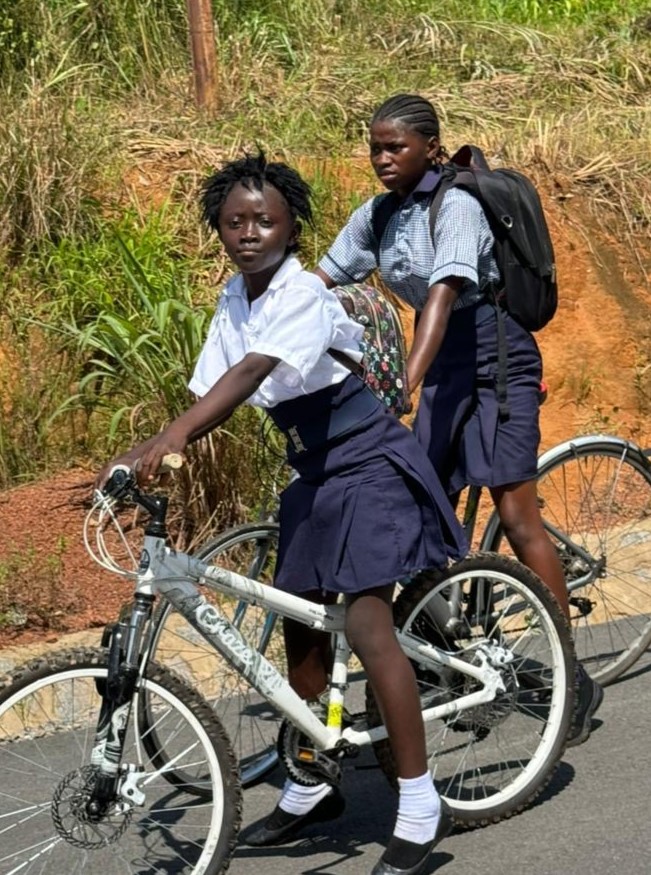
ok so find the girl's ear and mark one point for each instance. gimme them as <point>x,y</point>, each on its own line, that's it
<point>292,243</point>
<point>433,148</point>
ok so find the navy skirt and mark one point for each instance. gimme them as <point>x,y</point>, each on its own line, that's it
<point>458,422</point>
<point>367,509</point>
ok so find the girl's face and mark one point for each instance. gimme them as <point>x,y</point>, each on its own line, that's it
<point>256,229</point>
<point>400,156</point>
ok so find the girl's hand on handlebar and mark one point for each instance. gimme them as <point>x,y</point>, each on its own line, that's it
<point>145,460</point>
<point>151,459</point>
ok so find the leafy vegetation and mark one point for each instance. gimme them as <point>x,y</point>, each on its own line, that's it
<point>31,591</point>
<point>107,280</point>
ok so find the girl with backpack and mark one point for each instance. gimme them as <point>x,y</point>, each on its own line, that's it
<point>446,275</point>
<point>268,346</point>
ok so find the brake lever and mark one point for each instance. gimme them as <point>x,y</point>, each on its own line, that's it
<point>121,482</point>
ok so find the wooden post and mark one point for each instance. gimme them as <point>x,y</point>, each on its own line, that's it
<point>204,56</point>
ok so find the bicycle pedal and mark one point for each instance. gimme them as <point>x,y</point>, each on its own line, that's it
<point>315,762</point>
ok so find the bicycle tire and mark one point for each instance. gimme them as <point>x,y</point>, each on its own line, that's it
<point>249,720</point>
<point>490,761</point>
<point>48,715</point>
<point>596,490</point>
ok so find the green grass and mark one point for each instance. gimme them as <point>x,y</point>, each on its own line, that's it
<point>107,280</point>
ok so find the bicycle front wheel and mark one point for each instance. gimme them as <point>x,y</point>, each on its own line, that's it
<point>251,723</point>
<point>595,498</point>
<point>490,760</point>
<point>48,716</point>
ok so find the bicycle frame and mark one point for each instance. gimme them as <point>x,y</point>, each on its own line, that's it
<point>172,574</point>
<point>474,671</point>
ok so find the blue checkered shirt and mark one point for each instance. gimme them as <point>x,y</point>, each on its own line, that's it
<point>411,261</point>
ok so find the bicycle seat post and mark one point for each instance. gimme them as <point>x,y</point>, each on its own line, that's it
<point>338,682</point>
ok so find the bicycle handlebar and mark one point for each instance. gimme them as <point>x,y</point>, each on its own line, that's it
<point>122,478</point>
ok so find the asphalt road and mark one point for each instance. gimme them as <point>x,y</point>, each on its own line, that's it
<point>593,817</point>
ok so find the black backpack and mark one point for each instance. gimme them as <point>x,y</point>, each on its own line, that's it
<point>523,246</point>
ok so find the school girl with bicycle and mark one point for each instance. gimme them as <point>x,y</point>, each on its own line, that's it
<point>268,346</point>
<point>445,276</point>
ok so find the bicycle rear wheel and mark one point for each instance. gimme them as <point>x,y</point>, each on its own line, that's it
<point>48,715</point>
<point>489,761</point>
<point>249,720</point>
<point>595,498</point>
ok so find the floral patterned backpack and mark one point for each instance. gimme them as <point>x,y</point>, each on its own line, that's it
<point>384,362</point>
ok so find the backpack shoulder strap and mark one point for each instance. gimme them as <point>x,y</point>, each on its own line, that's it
<point>354,367</point>
<point>453,176</point>
<point>384,205</point>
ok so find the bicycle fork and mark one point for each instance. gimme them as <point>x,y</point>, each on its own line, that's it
<point>117,691</point>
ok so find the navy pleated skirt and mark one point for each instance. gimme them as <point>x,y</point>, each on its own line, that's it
<point>367,509</point>
<point>458,422</point>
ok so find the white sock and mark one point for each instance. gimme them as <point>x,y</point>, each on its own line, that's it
<point>297,799</point>
<point>419,809</point>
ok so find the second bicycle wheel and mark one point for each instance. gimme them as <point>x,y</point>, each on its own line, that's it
<point>251,723</point>
<point>490,760</point>
<point>595,499</point>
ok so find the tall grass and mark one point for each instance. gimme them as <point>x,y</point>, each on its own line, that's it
<point>104,273</point>
<point>129,314</point>
<point>129,43</point>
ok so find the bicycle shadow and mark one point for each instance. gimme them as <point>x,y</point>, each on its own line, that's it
<point>635,672</point>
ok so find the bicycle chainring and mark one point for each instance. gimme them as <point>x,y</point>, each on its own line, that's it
<point>290,739</point>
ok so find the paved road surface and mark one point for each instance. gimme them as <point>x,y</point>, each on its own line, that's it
<point>594,818</point>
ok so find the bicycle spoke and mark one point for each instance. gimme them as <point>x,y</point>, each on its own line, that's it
<point>46,825</point>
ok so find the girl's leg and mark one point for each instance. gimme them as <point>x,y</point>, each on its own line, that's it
<point>517,506</point>
<point>309,653</point>
<point>420,822</point>
<point>371,635</point>
<point>309,660</point>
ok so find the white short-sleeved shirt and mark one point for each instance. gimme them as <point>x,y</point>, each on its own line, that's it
<point>296,320</point>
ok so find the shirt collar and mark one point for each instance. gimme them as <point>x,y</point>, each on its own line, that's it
<point>427,184</point>
<point>235,287</point>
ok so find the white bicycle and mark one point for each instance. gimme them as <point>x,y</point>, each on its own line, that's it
<point>112,763</point>
<point>595,498</point>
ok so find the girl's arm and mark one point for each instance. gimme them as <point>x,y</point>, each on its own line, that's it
<point>431,328</point>
<point>329,282</point>
<point>216,406</point>
<point>461,235</point>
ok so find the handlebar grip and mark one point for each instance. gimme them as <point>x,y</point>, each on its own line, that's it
<point>172,462</point>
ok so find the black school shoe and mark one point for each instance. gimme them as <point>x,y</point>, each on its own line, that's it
<point>407,858</point>
<point>281,826</point>
<point>589,696</point>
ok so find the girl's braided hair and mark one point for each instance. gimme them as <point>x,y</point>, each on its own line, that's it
<point>254,171</point>
<point>415,113</point>
<point>412,111</point>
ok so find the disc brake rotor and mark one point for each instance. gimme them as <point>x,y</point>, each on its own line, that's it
<point>73,821</point>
